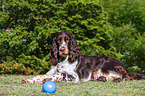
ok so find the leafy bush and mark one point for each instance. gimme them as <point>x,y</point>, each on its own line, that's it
<point>128,26</point>
<point>130,44</point>
<point>27,28</point>
<point>135,57</point>
<point>104,27</point>
<point>125,12</point>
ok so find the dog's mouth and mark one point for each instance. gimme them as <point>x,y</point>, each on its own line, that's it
<point>63,53</point>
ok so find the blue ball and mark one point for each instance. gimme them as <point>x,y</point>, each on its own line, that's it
<point>49,87</point>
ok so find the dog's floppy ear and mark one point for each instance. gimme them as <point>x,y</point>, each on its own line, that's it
<point>54,53</point>
<point>73,49</point>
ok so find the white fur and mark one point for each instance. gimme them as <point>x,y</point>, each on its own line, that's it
<point>87,79</point>
<point>109,76</point>
<point>56,73</point>
<point>112,75</point>
<point>65,67</point>
<point>63,44</point>
<point>52,71</point>
<point>68,68</point>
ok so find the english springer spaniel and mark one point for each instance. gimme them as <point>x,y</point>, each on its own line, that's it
<point>67,64</point>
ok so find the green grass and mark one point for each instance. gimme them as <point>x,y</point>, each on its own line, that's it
<point>10,85</point>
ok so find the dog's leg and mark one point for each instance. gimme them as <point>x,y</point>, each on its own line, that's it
<point>75,76</point>
<point>56,77</point>
<point>37,79</point>
<point>40,78</point>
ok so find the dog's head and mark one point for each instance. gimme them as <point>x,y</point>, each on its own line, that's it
<point>64,44</point>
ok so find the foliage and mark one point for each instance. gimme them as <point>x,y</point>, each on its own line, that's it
<point>125,12</point>
<point>130,44</point>
<point>102,27</point>
<point>128,26</point>
<point>136,53</point>
<point>27,28</point>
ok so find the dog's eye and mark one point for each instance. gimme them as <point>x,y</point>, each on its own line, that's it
<point>66,38</point>
<point>59,39</point>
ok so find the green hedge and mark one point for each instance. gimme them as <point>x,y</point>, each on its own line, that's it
<point>101,28</point>
<point>27,28</point>
<point>124,12</point>
<point>127,18</point>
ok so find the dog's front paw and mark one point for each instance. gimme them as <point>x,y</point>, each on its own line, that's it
<point>24,81</point>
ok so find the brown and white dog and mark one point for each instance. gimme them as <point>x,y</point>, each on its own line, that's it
<point>68,64</point>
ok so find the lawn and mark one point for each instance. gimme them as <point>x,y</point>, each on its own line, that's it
<point>10,85</point>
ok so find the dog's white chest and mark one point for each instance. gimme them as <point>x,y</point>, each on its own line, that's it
<point>66,67</point>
